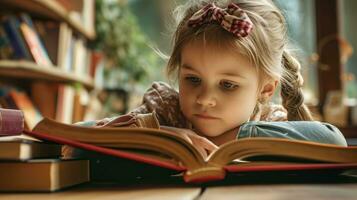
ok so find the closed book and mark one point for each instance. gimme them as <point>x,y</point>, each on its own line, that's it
<point>42,174</point>
<point>23,102</point>
<point>11,121</point>
<point>46,106</point>
<point>65,103</point>
<point>24,148</point>
<point>65,48</point>
<point>49,33</point>
<point>6,50</point>
<point>35,48</point>
<point>12,29</point>
<point>33,41</point>
<point>79,57</point>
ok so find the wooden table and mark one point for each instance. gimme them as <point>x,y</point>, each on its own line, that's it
<point>261,186</point>
<point>345,191</point>
<point>290,192</point>
<point>90,192</point>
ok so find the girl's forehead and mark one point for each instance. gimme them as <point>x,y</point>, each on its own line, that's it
<point>212,35</point>
<point>211,41</point>
<point>211,51</point>
<point>205,46</point>
<point>211,59</point>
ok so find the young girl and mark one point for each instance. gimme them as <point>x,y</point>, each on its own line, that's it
<point>229,57</point>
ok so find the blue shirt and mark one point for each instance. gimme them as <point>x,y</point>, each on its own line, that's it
<point>297,130</point>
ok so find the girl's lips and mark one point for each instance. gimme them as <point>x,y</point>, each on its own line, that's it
<point>205,116</point>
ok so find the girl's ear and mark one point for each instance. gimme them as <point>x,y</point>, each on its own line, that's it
<point>268,90</point>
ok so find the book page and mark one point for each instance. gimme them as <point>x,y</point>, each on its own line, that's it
<point>299,150</point>
<point>118,138</point>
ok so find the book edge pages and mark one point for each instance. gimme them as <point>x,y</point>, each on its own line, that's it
<point>48,126</point>
<point>249,147</point>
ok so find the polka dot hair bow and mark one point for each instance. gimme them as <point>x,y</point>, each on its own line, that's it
<point>232,18</point>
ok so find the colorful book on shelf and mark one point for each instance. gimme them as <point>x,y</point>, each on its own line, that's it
<point>167,150</point>
<point>79,57</point>
<point>46,106</point>
<point>22,147</point>
<point>88,15</point>
<point>65,47</point>
<point>65,103</point>
<point>49,33</point>
<point>95,59</point>
<point>22,102</point>
<point>33,41</point>
<point>42,175</point>
<point>6,50</point>
<point>11,25</point>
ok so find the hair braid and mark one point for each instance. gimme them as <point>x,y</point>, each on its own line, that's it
<point>291,91</point>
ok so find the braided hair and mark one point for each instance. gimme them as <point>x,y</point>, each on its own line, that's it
<point>291,90</point>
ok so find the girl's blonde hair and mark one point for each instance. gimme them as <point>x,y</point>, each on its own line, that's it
<point>265,46</point>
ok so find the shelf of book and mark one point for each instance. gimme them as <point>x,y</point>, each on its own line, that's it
<point>50,9</point>
<point>31,70</point>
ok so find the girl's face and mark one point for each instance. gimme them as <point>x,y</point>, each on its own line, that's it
<point>218,89</point>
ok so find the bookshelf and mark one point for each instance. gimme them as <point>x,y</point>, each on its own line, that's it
<point>48,9</point>
<point>49,60</point>
<point>32,71</point>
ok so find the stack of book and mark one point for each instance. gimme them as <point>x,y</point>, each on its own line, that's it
<point>29,164</point>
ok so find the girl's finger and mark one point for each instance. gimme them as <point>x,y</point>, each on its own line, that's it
<point>179,132</point>
<point>202,151</point>
<point>205,143</point>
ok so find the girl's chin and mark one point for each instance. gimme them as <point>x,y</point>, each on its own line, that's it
<point>214,132</point>
<point>208,133</point>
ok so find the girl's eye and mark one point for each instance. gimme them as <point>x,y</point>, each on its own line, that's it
<point>228,85</point>
<point>194,80</point>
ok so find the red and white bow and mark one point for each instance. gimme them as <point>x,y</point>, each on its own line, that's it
<point>232,18</point>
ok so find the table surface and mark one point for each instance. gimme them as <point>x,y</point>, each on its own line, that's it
<point>262,186</point>
<point>344,191</point>
<point>89,192</point>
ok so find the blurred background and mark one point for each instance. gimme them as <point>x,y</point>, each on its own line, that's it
<point>121,41</point>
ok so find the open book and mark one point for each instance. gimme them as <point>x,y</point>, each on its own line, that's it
<point>168,150</point>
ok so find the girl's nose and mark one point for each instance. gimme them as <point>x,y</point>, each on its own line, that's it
<point>206,99</point>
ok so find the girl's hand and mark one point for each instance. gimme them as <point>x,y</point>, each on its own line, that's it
<point>202,144</point>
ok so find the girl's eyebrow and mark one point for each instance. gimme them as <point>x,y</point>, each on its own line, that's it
<point>186,66</point>
<point>233,74</point>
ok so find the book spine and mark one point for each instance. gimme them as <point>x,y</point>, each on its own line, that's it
<point>31,115</point>
<point>33,39</point>
<point>11,26</point>
<point>11,122</point>
<point>34,45</point>
<point>6,50</point>
<point>49,35</point>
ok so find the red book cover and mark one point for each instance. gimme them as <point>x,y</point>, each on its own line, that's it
<point>11,122</point>
<point>104,150</point>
